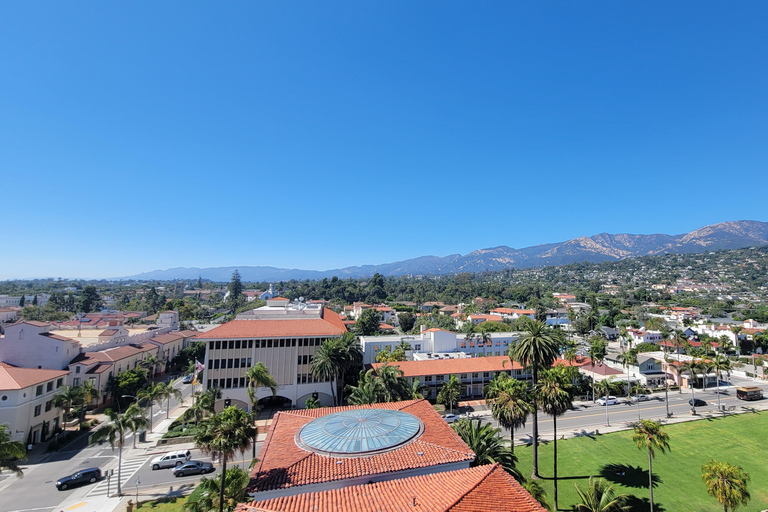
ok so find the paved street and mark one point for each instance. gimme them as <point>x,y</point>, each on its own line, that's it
<point>36,492</point>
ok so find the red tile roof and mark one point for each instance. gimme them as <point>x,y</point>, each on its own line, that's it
<point>482,488</point>
<point>330,325</point>
<point>487,318</point>
<point>463,365</point>
<point>108,332</point>
<point>167,338</point>
<point>13,377</point>
<point>386,327</point>
<point>284,464</point>
<point>435,329</point>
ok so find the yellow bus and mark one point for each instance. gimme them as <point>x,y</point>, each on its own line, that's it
<point>749,393</point>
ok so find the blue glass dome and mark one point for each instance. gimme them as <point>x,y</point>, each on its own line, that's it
<point>359,432</point>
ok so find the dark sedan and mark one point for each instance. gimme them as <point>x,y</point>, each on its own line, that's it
<point>698,402</point>
<point>85,476</point>
<point>193,467</point>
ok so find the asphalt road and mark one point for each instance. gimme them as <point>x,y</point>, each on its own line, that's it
<point>36,492</point>
<point>588,417</point>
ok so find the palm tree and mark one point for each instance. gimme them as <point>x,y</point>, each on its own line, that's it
<point>600,497</point>
<point>203,405</point>
<point>484,440</point>
<point>352,353</point>
<point>66,399</point>
<point>258,376</point>
<point>450,392</point>
<point>170,392</point>
<point>726,483</point>
<point>150,363</point>
<point>152,393</point>
<point>537,492</point>
<point>721,364</point>
<point>537,350</point>
<point>606,387</point>
<point>637,389</point>
<point>627,359</point>
<point>115,431</point>
<point>510,403</point>
<point>328,362</point>
<point>394,386</point>
<point>417,390</point>
<point>596,353</point>
<point>650,436</point>
<point>135,420</point>
<point>555,399</point>
<point>206,495</point>
<point>11,452</point>
<point>667,362</point>
<point>366,392</point>
<point>222,435</point>
<point>691,367</point>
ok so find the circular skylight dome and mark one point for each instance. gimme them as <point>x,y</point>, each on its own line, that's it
<point>359,432</point>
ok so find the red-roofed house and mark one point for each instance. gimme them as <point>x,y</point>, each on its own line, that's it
<point>284,337</point>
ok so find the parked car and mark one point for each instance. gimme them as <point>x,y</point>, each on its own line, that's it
<point>611,400</point>
<point>189,378</point>
<point>84,476</point>
<point>171,459</point>
<point>640,398</point>
<point>450,418</point>
<point>193,467</point>
<point>696,402</point>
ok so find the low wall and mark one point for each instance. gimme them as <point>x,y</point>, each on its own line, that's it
<point>175,440</point>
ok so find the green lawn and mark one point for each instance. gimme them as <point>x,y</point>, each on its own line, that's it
<point>163,505</point>
<point>736,439</point>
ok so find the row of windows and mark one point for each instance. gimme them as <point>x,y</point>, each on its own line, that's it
<point>266,343</point>
<point>227,383</point>
<point>49,386</point>
<point>465,376</point>
<point>307,378</point>
<point>222,364</point>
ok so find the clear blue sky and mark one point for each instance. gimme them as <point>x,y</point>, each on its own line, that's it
<point>144,135</point>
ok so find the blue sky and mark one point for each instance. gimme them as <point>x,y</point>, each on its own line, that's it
<point>146,135</point>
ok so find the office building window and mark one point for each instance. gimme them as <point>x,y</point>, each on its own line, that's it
<point>237,363</point>
<point>216,364</point>
<point>237,344</point>
<point>48,405</point>
<point>39,390</point>
<point>49,386</point>
<point>37,410</point>
<point>59,383</point>
<point>218,345</point>
<point>210,364</point>
<point>229,363</point>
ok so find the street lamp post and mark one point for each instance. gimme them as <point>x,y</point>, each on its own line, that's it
<point>138,482</point>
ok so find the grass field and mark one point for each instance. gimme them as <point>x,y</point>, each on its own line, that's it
<point>163,505</point>
<point>741,440</point>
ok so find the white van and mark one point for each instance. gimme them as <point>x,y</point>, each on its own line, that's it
<point>171,459</point>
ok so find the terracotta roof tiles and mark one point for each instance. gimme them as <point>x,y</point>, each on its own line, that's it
<point>472,489</point>
<point>13,377</point>
<point>330,325</point>
<point>284,464</point>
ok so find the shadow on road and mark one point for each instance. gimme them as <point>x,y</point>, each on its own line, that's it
<point>628,476</point>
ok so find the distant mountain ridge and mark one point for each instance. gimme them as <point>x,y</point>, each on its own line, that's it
<point>595,249</point>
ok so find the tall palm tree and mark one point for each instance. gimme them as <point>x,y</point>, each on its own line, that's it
<point>11,452</point>
<point>135,421</point>
<point>627,359</point>
<point>115,431</point>
<point>649,435</point>
<point>328,362</point>
<point>224,434</point>
<point>352,353</point>
<point>450,392</point>
<point>600,497</point>
<point>596,353</point>
<point>667,362</point>
<point>510,403</point>
<point>170,392</point>
<point>152,393</point>
<point>537,350</point>
<point>203,405</point>
<point>726,483</point>
<point>150,363</point>
<point>417,390</point>
<point>691,367</point>
<point>721,364</point>
<point>394,386</point>
<point>606,387</point>
<point>484,440</point>
<point>554,399</point>
<point>258,376</point>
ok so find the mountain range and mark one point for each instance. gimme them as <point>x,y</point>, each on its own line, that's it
<point>597,248</point>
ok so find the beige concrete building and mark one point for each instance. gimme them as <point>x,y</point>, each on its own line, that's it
<point>26,402</point>
<point>282,335</point>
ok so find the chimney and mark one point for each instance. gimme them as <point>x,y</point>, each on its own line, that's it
<point>421,329</point>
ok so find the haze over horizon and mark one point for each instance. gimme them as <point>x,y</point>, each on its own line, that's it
<point>150,136</point>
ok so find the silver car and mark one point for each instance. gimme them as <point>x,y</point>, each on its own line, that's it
<point>171,459</point>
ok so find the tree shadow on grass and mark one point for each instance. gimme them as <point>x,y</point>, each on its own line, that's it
<point>628,476</point>
<point>635,503</point>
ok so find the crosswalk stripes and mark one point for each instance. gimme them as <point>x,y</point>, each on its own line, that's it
<point>130,467</point>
